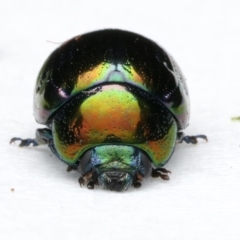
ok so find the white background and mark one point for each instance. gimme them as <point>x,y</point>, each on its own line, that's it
<point>202,199</point>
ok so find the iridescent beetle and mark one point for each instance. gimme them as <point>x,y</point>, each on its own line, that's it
<point>114,104</point>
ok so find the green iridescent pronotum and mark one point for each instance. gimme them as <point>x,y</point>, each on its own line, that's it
<point>114,104</point>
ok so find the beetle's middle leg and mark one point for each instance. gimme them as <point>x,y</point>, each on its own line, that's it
<point>190,139</point>
<point>43,136</point>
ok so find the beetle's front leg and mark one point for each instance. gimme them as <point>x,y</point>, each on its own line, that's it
<point>190,139</point>
<point>89,178</point>
<point>43,136</point>
<point>137,181</point>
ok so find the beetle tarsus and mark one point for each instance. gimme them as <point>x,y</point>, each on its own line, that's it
<point>24,142</point>
<point>160,172</point>
<point>192,139</point>
<point>70,168</point>
<point>43,136</point>
<point>88,178</point>
<point>91,184</point>
<point>137,184</point>
<point>81,181</point>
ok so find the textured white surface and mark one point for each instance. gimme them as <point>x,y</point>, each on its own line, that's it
<point>202,199</point>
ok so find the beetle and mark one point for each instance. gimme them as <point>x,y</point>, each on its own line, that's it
<point>114,104</point>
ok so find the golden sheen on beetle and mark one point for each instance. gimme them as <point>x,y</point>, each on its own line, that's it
<point>114,105</point>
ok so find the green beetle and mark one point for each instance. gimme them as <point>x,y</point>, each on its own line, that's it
<point>115,104</point>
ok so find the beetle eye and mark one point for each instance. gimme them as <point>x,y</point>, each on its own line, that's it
<point>146,163</point>
<point>84,162</point>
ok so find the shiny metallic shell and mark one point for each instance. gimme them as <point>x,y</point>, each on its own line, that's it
<point>108,57</point>
<point>114,115</point>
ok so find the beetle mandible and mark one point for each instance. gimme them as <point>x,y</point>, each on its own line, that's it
<point>114,104</point>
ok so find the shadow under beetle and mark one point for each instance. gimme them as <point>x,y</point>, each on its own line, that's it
<point>115,104</point>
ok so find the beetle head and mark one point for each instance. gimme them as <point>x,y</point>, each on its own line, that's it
<point>114,167</point>
<point>115,180</point>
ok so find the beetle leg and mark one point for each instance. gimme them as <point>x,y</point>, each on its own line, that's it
<point>190,139</point>
<point>24,142</point>
<point>42,137</point>
<point>81,181</point>
<point>71,168</point>
<point>160,172</point>
<point>137,181</point>
<point>91,184</point>
<point>137,184</point>
<point>88,178</point>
